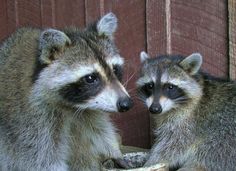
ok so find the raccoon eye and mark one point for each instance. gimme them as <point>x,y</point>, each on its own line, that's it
<point>117,69</point>
<point>170,87</point>
<point>172,91</point>
<point>149,86</point>
<point>91,78</point>
<point>147,89</point>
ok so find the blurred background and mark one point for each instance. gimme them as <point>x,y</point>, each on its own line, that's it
<point>155,26</point>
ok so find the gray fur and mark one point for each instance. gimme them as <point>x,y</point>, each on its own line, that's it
<point>50,40</point>
<point>199,134</point>
<point>39,130</point>
<point>107,25</point>
<point>192,63</point>
<point>143,56</point>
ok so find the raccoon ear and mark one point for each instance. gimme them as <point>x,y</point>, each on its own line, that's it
<point>107,25</point>
<point>192,63</point>
<point>143,56</point>
<point>51,42</point>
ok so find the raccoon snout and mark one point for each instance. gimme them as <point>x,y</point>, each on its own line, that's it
<point>124,104</point>
<point>155,109</point>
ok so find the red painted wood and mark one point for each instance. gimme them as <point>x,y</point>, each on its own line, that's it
<point>156,27</point>
<point>195,25</point>
<point>69,13</point>
<point>201,26</point>
<point>3,19</point>
<point>129,123</point>
<point>48,13</point>
<point>28,13</point>
<point>12,16</point>
<point>232,38</point>
<point>131,39</point>
<point>93,10</point>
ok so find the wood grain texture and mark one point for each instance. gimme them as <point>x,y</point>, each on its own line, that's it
<point>12,16</point>
<point>28,13</point>
<point>232,38</point>
<point>69,13</point>
<point>93,10</point>
<point>156,27</point>
<point>187,26</point>
<point>131,40</point>
<point>201,26</point>
<point>3,19</point>
<point>48,13</point>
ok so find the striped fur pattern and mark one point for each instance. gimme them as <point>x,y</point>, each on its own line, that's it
<point>194,114</point>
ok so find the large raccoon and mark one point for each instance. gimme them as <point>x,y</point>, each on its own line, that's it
<point>195,114</point>
<point>56,89</point>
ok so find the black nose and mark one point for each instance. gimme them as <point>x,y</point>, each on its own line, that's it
<point>124,104</point>
<point>155,109</point>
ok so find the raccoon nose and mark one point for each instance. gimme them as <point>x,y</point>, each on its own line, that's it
<point>124,104</point>
<point>155,109</point>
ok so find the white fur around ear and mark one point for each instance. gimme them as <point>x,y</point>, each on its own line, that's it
<point>192,63</point>
<point>143,56</point>
<point>107,24</point>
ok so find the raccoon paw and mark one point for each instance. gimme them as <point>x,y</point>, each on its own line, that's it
<point>117,163</point>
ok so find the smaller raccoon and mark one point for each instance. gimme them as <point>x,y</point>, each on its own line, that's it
<point>195,114</point>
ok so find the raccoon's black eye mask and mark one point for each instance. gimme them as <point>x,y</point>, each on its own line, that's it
<point>147,89</point>
<point>91,78</point>
<point>118,71</point>
<point>85,88</point>
<point>170,91</point>
<point>175,93</point>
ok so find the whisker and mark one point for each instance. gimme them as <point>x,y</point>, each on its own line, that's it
<point>75,113</point>
<point>78,112</point>
<point>130,90</point>
<point>128,79</point>
<point>181,100</point>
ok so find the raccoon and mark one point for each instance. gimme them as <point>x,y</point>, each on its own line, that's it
<point>194,113</point>
<point>57,88</point>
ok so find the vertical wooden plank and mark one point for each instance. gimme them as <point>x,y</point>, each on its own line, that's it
<point>156,27</point>
<point>186,26</point>
<point>3,19</point>
<point>48,13</point>
<point>69,13</point>
<point>130,43</point>
<point>93,10</point>
<point>28,13</point>
<point>232,38</point>
<point>131,39</point>
<point>201,26</point>
<point>12,15</point>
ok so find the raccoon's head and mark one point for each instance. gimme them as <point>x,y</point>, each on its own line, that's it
<point>82,69</point>
<point>169,82</point>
